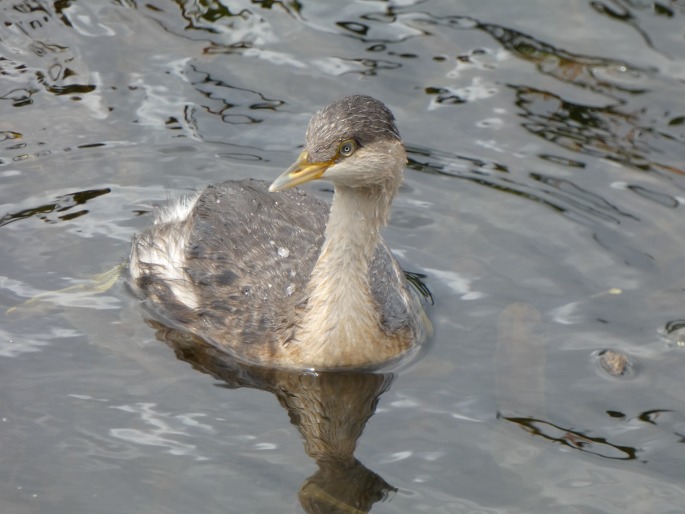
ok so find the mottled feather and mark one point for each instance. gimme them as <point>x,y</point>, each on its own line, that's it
<point>249,264</point>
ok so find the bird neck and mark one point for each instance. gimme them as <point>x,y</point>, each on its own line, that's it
<point>341,312</point>
<point>352,231</point>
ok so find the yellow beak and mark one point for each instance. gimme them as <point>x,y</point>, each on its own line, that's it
<point>300,172</point>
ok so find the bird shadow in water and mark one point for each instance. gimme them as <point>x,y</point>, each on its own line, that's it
<point>329,409</point>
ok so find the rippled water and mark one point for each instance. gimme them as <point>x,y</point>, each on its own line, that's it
<point>544,202</point>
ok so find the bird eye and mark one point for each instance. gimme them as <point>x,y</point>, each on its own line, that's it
<point>347,148</point>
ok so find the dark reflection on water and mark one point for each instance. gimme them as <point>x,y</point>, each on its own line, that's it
<point>600,132</point>
<point>208,15</point>
<point>663,199</point>
<point>25,24</point>
<point>561,64</point>
<point>628,137</point>
<point>61,204</point>
<point>562,195</point>
<point>372,67</point>
<point>212,21</point>
<point>330,410</point>
<point>574,439</point>
<point>575,196</point>
<point>577,440</point>
<point>628,12</point>
<point>217,91</point>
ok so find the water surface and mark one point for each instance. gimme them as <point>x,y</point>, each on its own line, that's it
<point>543,201</point>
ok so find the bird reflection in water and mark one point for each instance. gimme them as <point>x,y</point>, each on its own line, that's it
<point>329,409</point>
<point>268,275</point>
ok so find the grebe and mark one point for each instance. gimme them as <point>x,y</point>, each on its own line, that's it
<point>272,275</point>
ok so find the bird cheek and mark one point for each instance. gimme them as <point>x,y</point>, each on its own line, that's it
<point>340,173</point>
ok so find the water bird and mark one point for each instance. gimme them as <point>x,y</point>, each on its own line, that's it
<point>276,277</point>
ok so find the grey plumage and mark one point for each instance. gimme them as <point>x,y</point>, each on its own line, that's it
<point>360,118</point>
<point>250,262</point>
